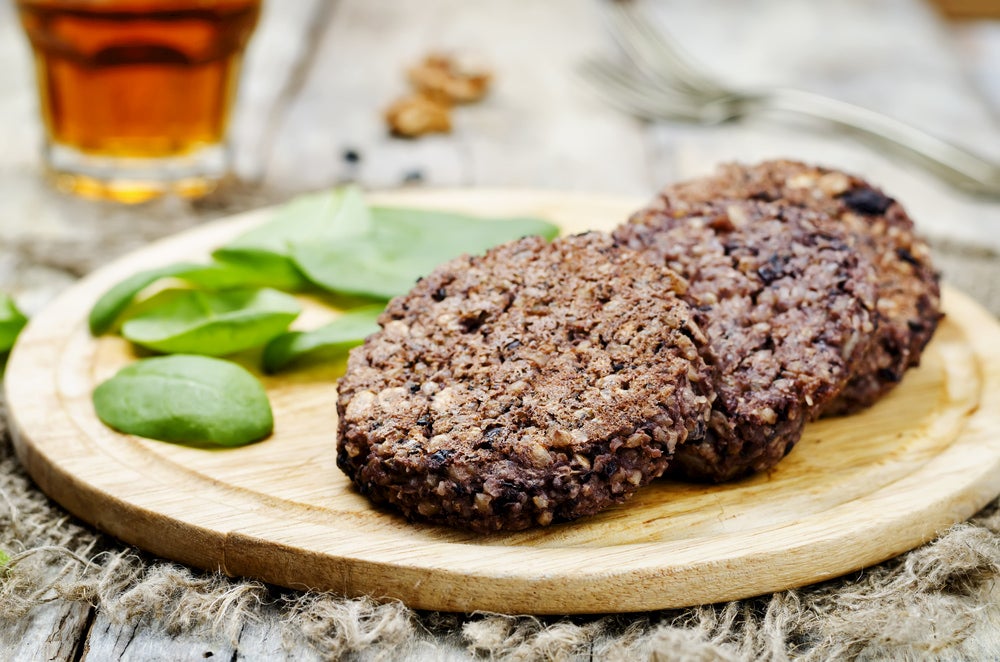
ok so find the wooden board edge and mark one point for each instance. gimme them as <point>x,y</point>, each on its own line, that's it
<point>85,502</point>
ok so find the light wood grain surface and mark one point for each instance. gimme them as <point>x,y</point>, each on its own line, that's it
<point>319,72</point>
<point>855,491</point>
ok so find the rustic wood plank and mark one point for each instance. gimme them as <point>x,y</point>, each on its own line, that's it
<point>341,103</point>
<point>21,131</point>
<point>979,47</point>
<point>52,631</point>
<point>281,51</point>
<point>263,641</point>
<point>542,127</point>
<point>539,127</point>
<point>424,647</point>
<point>266,640</point>
<point>142,641</point>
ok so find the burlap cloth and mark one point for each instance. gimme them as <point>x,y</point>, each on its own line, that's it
<point>940,600</point>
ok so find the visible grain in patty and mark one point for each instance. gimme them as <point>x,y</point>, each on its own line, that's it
<point>787,306</point>
<point>535,384</point>
<point>908,290</point>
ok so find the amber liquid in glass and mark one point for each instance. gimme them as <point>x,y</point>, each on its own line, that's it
<point>139,79</point>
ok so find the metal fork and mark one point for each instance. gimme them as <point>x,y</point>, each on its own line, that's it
<point>662,83</point>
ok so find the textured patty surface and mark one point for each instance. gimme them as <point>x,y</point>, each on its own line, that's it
<point>535,384</point>
<point>788,308</point>
<point>908,291</point>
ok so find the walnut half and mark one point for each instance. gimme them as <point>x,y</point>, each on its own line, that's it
<point>450,80</point>
<point>417,115</point>
<point>440,81</point>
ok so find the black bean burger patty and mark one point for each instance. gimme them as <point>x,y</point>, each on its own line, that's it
<point>538,383</point>
<point>908,291</point>
<point>788,307</point>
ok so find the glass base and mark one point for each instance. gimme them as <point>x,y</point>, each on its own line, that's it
<point>134,180</point>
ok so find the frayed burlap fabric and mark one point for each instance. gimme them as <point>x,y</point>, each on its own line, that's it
<point>939,601</point>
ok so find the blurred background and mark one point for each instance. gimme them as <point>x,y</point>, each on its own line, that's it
<point>319,75</point>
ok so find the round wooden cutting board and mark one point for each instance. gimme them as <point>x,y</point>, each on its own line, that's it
<point>854,492</point>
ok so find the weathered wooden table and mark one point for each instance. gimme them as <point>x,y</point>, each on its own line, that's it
<point>320,72</point>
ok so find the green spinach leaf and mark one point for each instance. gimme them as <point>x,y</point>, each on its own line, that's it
<point>213,323</point>
<point>187,399</point>
<point>12,321</point>
<point>214,276</point>
<point>322,216</point>
<point>325,343</point>
<point>404,245</point>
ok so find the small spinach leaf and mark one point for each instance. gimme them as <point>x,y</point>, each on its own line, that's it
<point>318,217</point>
<point>364,267</point>
<point>12,321</point>
<point>403,246</point>
<point>114,302</point>
<point>187,399</point>
<point>210,276</point>
<point>465,232</point>
<point>325,343</point>
<point>213,323</point>
<point>276,271</point>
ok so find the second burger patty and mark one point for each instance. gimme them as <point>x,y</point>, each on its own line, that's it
<point>908,290</point>
<point>788,304</point>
